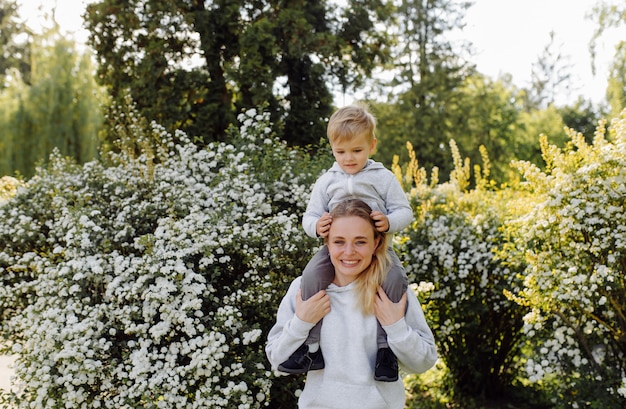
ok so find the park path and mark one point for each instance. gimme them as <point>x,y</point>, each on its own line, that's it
<point>5,371</point>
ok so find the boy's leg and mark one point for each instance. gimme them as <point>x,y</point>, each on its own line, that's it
<point>317,275</point>
<point>395,286</point>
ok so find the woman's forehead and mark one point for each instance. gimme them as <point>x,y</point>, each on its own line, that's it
<point>351,226</point>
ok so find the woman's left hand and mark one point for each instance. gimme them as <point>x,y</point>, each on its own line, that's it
<point>386,310</point>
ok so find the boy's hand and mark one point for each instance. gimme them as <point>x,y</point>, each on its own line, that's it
<point>323,225</point>
<point>380,221</point>
<point>313,309</point>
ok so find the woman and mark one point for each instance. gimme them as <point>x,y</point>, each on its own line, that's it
<point>350,307</point>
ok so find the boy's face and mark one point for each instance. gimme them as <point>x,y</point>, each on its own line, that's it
<point>352,155</point>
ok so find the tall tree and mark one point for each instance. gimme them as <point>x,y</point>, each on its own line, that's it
<point>550,75</point>
<point>60,108</point>
<point>616,88</point>
<point>582,116</point>
<point>489,117</point>
<point>192,65</point>
<point>611,15</point>
<point>428,72</point>
<point>14,53</point>
<point>491,113</point>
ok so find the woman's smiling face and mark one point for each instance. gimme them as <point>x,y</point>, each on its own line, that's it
<point>351,245</point>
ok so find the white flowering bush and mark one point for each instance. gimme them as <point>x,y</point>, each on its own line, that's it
<point>148,279</point>
<point>8,187</point>
<point>451,247</point>
<point>574,244</point>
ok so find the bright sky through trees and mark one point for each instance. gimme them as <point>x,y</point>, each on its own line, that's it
<point>508,37</point>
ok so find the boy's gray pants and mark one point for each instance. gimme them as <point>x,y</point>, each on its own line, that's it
<point>319,273</point>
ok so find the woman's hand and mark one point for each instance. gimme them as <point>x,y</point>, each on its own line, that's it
<point>386,310</point>
<point>313,309</point>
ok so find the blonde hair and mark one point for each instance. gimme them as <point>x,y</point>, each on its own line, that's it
<point>374,275</point>
<point>351,121</point>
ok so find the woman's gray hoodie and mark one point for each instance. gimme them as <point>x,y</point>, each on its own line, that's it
<point>349,351</point>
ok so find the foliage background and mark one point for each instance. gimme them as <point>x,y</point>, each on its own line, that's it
<point>150,280</point>
<point>141,265</point>
<point>138,281</point>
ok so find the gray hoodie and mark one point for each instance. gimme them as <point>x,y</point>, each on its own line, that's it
<point>374,184</point>
<point>349,351</point>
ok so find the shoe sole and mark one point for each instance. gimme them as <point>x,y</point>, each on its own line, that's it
<point>292,371</point>
<point>385,379</point>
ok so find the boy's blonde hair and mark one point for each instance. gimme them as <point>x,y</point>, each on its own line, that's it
<point>351,121</point>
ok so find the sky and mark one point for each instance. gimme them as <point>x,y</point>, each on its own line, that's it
<point>508,37</point>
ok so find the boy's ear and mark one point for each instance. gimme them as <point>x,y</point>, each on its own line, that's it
<point>373,147</point>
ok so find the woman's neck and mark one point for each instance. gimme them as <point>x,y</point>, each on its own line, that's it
<point>343,281</point>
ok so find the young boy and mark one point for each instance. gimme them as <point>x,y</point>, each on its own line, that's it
<point>351,132</point>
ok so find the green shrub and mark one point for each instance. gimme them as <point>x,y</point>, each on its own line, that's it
<point>148,279</point>
<point>574,244</point>
<point>449,251</point>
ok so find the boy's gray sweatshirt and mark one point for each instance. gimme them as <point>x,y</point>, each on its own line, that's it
<point>374,184</point>
<point>349,351</point>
